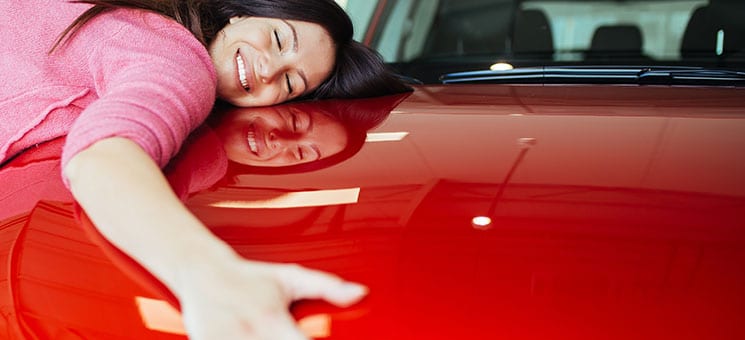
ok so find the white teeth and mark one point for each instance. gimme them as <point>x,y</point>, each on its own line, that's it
<point>252,142</point>
<point>242,71</point>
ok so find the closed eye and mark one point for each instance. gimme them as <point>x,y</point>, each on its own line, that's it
<point>289,85</point>
<point>279,43</point>
<point>287,76</point>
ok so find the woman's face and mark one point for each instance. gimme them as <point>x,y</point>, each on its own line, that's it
<point>264,61</point>
<point>279,136</point>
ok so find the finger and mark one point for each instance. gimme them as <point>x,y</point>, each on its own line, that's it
<point>303,283</point>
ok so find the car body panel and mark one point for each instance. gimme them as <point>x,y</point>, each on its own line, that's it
<point>616,212</point>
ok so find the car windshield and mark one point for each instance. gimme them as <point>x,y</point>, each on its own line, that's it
<point>425,39</point>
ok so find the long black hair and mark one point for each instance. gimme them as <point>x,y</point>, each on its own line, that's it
<point>358,72</point>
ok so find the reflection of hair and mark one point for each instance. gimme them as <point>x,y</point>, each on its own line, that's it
<point>359,71</point>
<point>356,115</point>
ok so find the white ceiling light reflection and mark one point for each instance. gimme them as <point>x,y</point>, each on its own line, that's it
<point>481,222</point>
<point>315,326</point>
<point>501,67</point>
<point>373,137</point>
<point>299,199</point>
<point>720,42</point>
<point>159,315</point>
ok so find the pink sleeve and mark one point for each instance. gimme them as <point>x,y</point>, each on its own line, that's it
<point>155,86</point>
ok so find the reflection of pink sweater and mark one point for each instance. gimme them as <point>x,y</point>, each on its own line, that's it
<point>126,73</point>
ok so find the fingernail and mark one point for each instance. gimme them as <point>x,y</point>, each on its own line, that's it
<point>354,289</point>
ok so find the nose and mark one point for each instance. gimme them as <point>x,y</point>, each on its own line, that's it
<point>270,67</point>
<point>281,140</point>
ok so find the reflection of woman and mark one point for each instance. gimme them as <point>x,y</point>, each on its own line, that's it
<point>280,136</point>
<point>129,81</point>
<point>280,139</point>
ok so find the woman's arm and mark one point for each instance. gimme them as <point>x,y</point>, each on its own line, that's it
<point>222,295</point>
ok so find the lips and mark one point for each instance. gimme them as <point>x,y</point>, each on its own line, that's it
<point>251,138</point>
<point>254,140</point>
<point>243,72</point>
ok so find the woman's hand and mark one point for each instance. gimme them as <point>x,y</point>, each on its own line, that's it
<point>249,300</point>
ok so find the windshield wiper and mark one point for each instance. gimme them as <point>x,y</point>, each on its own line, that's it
<point>639,75</point>
<point>704,76</point>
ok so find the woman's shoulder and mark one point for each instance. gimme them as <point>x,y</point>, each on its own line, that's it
<point>134,37</point>
<point>140,27</point>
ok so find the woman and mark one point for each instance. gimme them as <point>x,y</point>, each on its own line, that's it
<point>127,83</point>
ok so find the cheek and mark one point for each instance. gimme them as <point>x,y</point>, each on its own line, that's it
<point>233,141</point>
<point>264,95</point>
<point>318,64</point>
<point>327,59</point>
<point>335,144</point>
<point>236,154</point>
<point>225,78</point>
<point>323,68</point>
<point>338,148</point>
<point>220,54</point>
<point>223,86</point>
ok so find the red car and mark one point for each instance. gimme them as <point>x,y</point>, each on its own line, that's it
<point>472,212</point>
<point>560,203</point>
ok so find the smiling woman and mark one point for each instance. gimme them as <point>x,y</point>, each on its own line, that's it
<point>347,69</point>
<point>261,61</point>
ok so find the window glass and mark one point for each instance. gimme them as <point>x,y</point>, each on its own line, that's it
<point>424,39</point>
<point>412,29</point>
<point>361,12</point>
<point>661,24</point>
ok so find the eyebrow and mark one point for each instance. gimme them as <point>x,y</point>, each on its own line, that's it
<point>295,49</point>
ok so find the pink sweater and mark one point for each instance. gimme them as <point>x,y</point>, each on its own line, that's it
<point>126,73</point>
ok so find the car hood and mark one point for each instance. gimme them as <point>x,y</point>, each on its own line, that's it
<point>613,212</point>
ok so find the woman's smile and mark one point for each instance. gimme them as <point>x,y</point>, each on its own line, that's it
<point>251,138</point>
<point>242,72</point>
<point>265,61</point>
<point>246,75</point>
<point>256,139</point>
<point>279,135</point>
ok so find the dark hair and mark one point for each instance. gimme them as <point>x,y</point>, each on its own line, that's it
<point>358,72</point>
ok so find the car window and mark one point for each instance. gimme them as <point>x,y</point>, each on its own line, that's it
<point>459,35</point>
<point>361,12</point>
<point>649,28</point>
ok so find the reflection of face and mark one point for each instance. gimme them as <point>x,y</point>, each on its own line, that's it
<point>280,136</point>
<point>264,61</point>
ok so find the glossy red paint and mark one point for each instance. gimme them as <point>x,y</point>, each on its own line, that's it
<point>616,212</point>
